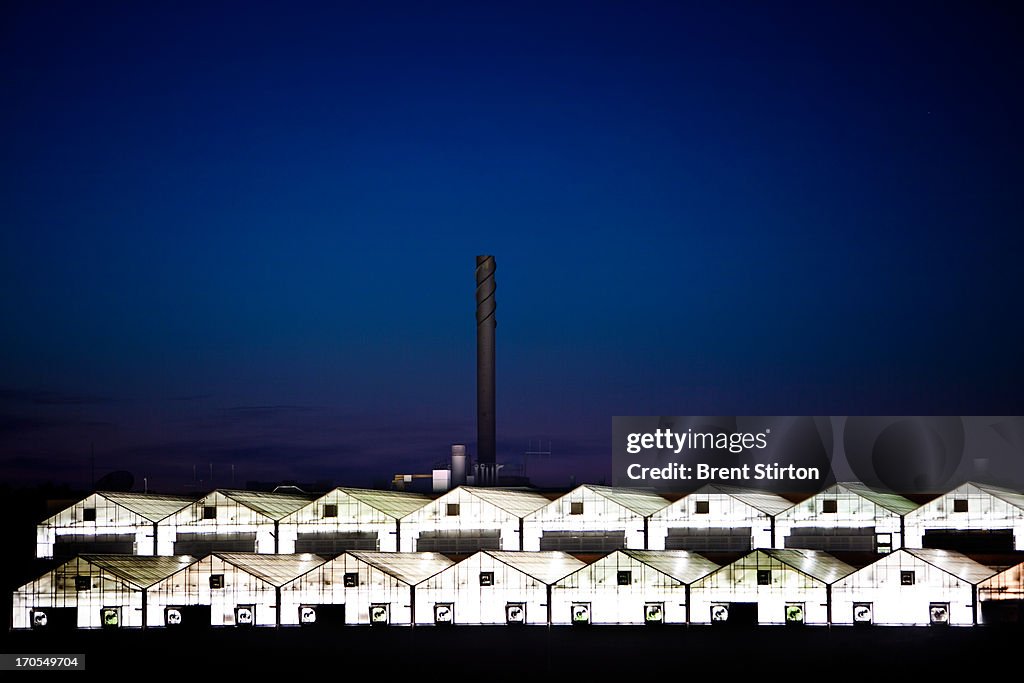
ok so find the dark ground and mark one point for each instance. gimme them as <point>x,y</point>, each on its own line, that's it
<point>508,652</point>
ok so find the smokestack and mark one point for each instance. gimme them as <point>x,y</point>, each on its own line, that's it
<point>485,324</point>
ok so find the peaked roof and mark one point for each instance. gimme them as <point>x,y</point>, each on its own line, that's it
<point>151,506</point>
<point>681,565</point>
<point>643,503</point>
<point>1014,498</point>
<point>513,501</point>
<point>395,504</point>
<point>547,566</point>
<point>140,571</point>
<point>272,505</point>
<point>815,563</point>
<point>410,568</point>
<point>953,563</point>
<point>274,569</point>
<point>890,501</point>
<point>763,501</point>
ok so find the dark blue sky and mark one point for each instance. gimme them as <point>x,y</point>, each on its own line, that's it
<point>237,233</point>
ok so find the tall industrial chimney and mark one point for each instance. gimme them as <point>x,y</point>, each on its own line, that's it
<point>485,323</point>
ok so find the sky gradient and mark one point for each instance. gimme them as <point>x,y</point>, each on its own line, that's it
<point>240,233</point>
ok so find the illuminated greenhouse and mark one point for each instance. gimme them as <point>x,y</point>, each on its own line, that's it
<point>94,591</point>
<point>845,517</point>
<point>348,519</point>
<point>717,518</point>
<point>232,521</point>
<point>109,522</point>
<point>360,587</point>
<point>971,517</point>
<point>768,586</point>
<point>470,518</point>
<point>494,587</point>
<point>232,589</point>
<point>592,519</point>
<point>629,587</point>
<point>911,587</point>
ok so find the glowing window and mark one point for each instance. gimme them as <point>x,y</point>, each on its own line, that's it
<point>330,510</point>
<point>486,578</point>
<point>702,507</point>
<point>829,506</point>
<point>764,577</point>
<point>575,508</point>
<point>907,578</point>
<point>960,505</point>
<point>452,510</point>
<point>89,514</point>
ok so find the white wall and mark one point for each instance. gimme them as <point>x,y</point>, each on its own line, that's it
<point>191,586</point>
<point>57,588</point>
<point>353,516</point>
<point>852,511</point>
<point>984,512</point>
<point>474,514</point>
<point>110,519</point>
<point>737,582</point>
<point>232,517</point>
<point>476,604</point>
<point>599,514</point>
<point>610,603</point>
<point>723,511</point>
<point>898,605</point>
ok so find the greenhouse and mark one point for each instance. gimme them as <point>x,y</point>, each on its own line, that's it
<point>93,591</point>
<point>231,589</point>
<point>592,519</point>
<point>911,587</point>
<point>845,517</point>
<point>1002,596</point>
<point>109,522</point>
<point>768,587</point>
<point>468,519</point>
<point>971,518</point>
<point>360,587</point>
<point>232,521</point>
<point>494,587</point>
<point>717,518</point>
<point>629,587</point>
<point>348,519</point>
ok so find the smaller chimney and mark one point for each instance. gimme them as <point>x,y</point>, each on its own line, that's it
<point>458,464</point>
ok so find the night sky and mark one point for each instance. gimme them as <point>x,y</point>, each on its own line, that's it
<point>244,235</point>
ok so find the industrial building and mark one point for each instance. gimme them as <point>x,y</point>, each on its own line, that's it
<point>911,587</point>
<point>360,587</point>
<point>232,589</point>
<point>469,518</point>
<point>629,587</point>
<point>232,521</point>
<point>347,519</point>
<point>768,586</point>
<point>717,518</point>
<point>592,519</point>
<point>109,522</point>
<point>94,591</point>
<point>845,517</point>
<point>971,517</point>
<point>494,587</point>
